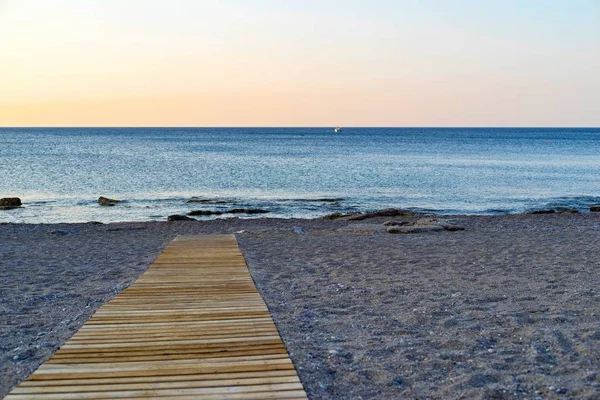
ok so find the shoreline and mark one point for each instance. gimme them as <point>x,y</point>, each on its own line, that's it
<point>504,309</point>
<point>251,216</point>
<point>204,208</point>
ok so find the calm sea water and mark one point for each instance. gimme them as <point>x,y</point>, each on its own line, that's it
<point>59,173</point>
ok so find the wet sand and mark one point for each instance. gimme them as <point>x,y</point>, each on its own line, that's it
<point>507,308</point>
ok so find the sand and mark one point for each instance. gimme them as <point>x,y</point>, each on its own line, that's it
<point>507,308</point>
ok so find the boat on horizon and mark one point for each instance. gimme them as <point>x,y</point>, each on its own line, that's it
<point>337,129</point>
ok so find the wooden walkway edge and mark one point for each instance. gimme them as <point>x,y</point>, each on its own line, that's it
<point>193,326</point>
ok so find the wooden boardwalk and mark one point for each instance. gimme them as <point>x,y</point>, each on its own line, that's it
<point>193,326</point>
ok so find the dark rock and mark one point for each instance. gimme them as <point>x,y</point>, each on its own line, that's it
<point>565,210</point>
<point>179,218</point>
<point>204,212</point>
<point>388,212</point>
<point>59,232</point>
<point>425,222</point>
<point>541,212</point>
<point>452,228</point>
<point>414,229</point>
<point>95,223</point>
<point>595,208</point>
<point>334,216</point>
<point>9,203</point>
<point>247,211</point>
<point>395,223</point>
<point>106,202</point>
<point>24,355</point>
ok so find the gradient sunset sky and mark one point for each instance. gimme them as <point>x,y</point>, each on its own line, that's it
<point>299,63</point>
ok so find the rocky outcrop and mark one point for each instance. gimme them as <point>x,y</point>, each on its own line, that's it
<point>414,228</point>
<point>452,228</point>
<point>422,225</point>
<point>388,212</point>
<point>106,202</point>
<point>9,203</point>
<point>567,211</point>
<point>179,218</point>
<point>533,212</point>
<point>204,212</point>
<point>392,222</point>
<point>595,208</point>
<point>334,216</point>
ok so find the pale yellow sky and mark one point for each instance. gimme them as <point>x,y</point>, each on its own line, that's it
<point>299,63</point>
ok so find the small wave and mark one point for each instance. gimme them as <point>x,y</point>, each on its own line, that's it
<point>321,200</point>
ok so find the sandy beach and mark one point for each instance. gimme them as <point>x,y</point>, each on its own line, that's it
<point>507,308</point>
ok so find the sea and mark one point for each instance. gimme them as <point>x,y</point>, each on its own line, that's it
<point>59,173</point>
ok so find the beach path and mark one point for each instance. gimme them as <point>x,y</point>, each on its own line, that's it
<point>193,326</point>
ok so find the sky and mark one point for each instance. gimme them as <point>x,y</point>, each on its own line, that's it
<point>299,63</point>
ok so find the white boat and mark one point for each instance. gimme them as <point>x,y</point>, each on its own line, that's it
<point>337,129</point>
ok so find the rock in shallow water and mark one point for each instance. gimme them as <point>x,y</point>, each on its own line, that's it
<point>106,202</point>
<point>179,218</point>
<point>595,208</point>
<point>8,203</point>
<point>247,211</point>
<point>204,212</point>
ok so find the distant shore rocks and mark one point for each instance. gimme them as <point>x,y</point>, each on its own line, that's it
<point>557,210</point>
<point>106,202</point>
<point>9,203</point>
<point>247,211</point>
<point>566,210</point>
<point>595,208</point>
<point>204,212</point>
<point>173,218</point>
<point>536,212</point>
<point>232,211</point>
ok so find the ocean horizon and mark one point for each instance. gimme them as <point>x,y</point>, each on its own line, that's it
<point>59,173</point>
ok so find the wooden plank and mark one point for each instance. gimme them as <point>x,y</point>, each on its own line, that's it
<point>192,327</point>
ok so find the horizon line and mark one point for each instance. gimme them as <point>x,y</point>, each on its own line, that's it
<point>298,127</point>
